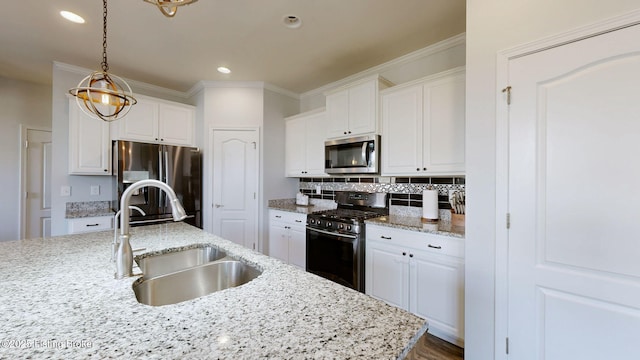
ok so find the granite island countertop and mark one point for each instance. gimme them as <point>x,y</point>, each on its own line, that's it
<point>59,300</point>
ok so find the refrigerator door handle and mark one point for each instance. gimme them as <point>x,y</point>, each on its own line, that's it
<point>160,173</point>
<point>166,176</point>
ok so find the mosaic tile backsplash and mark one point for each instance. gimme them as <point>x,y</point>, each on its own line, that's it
<point>403,191</point>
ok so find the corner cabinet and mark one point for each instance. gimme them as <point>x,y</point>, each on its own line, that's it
<point>89,145</point>
<point>421,273</point>
<point>158,121</point>
<point>304,144</point>
<point>353,109</point>
<point>423,126</point>
<point>287,237</point>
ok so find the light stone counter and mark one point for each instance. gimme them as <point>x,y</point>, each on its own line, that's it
<point>59,300</point>
<point>415,223</point>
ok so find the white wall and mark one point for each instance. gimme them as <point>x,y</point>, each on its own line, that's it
<point>19,107</point>
<point>277,106</point>
<point>494,25</point>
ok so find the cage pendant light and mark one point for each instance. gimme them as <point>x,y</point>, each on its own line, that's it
<point>102,95</point>
<point>169,7</point>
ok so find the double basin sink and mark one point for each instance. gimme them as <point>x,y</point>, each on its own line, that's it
<point>182,274</point>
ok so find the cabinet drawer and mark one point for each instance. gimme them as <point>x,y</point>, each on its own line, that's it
<point>436,244</point>
<point>291,218</point>
<point>89,224</point>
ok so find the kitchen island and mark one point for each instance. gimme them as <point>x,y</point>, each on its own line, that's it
<point>60,300</point>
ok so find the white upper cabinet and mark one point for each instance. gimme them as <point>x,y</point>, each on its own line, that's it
<point>89,145</point>
<point>353,110</point>
<point>423,126</point>
<point>154,120</point>
<point>304,144</point>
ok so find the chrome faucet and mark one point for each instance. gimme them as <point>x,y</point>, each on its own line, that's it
<point>116,241</point>
<point>124,254</point>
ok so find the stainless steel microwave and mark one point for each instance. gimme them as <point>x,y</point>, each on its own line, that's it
<point>356,155</point>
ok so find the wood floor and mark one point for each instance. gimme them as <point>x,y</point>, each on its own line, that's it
<point>430,347</point>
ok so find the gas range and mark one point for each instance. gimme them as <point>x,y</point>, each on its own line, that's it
<point>335,246</point>
<point>353,209</point>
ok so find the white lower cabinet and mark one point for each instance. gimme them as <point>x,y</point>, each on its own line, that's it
<point>287,237</point>
<point>421,273</point>
<point>89,224</point>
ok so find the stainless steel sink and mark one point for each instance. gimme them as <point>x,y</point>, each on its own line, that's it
<point>172,261</point>
<point>194,282</point>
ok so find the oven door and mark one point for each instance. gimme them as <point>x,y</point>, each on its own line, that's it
<point>337,257</point>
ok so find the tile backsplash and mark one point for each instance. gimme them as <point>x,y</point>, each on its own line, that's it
<point>403,191</point>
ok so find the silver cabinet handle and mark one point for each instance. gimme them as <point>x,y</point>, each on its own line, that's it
<point>435,247</point>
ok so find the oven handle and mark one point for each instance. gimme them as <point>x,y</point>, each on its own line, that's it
<point>332,233</point>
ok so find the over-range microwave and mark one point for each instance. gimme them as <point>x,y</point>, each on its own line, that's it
<point>356,155</point>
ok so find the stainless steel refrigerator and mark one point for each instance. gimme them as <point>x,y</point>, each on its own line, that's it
<point>180,167</point>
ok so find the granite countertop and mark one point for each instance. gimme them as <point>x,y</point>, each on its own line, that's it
<point>82,209</point>
<point>313,207</point>
<point>60,300</point>
<point>415,223</point>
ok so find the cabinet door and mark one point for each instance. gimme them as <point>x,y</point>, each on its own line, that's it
<point>363,104</point>
<point>89,145</point>
<point>444,125</point>
<point>176,124</point>
<point>437,294</point>
<point>141,123</point>
<point>279,241</point>
<point>297,247</point>
<point>295,147</point>
<point>316,130</point>
<point>338,114</point>
<point>387,274</point>
<point>402,129</point>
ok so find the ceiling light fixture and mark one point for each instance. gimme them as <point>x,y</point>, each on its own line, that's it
<point>169,7</point>
<point>103,95</point>
<point>72,17</point>
<point>224,70</point>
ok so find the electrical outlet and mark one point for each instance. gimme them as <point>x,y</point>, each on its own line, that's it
<point>95,189</point>
<point>318,189</point>
<point>65,190</point>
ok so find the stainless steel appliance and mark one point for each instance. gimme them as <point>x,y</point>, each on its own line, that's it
<point>335,238</point>
<point>357,155</point>
<point>177,166</point>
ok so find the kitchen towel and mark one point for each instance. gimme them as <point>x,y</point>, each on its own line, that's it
<point>430,204</point>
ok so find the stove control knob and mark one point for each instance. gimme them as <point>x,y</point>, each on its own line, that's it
<point>341,226</point>
<point>348,227</point>
<point>328,224</point>
<point>312,221</point>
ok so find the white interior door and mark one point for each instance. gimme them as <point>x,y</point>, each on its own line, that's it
<point>235,186</point>
<point>38,184</point>
<point>574,253</point>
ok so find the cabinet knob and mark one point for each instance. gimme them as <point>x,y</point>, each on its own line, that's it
<point>410,255</point>
<point>105,170</point>
<point>345,133</point>
<point>161,139</point>
<point>417,169</point>
<point>404,254</point>
<point>156,139</point>
<point>349,132</point>
<point>425,169</point>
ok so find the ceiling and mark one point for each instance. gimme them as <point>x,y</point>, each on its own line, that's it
<point>337,38</point>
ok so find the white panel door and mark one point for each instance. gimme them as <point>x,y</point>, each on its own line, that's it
<point>38,183</point>
<point>574,254</point>
<point>235,186</point>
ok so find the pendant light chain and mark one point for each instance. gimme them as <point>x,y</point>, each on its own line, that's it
<point>105,65</point>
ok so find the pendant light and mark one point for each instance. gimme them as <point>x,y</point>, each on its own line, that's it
<point>102,95</point>
<point>169,7</point>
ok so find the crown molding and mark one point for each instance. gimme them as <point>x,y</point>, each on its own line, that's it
<point>443,45</point>
<point>213,84</point>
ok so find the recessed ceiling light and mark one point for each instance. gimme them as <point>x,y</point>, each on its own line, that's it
<point>224,70</point>
<point>292,21</point>
<point>72,17</point>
